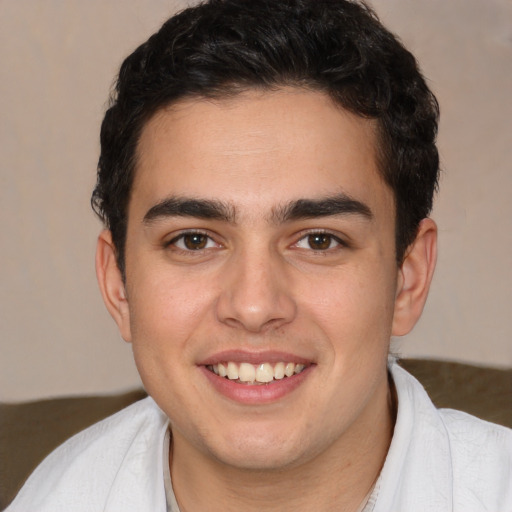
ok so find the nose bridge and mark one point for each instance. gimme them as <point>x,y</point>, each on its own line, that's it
<point>256,293</point>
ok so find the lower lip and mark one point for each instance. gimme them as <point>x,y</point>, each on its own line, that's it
<point>256,394</point>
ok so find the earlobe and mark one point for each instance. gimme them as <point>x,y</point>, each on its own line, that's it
<point>111,283</point>
<point>415,276</point>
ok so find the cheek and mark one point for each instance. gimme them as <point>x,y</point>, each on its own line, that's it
<point>355,307</point>
<point>163,321</point>
<point>161,301</point>
<point>164,315</point>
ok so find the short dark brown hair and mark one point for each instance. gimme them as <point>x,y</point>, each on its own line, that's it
<point>222,47</point>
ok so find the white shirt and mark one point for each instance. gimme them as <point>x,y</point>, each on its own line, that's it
<point>438,461</point>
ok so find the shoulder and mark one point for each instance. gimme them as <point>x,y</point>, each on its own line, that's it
<point>475,433</point>
<point>115,432</point>
<point>450,455</point>
<point>469,437</point>
<point>93,462</point>
<point>481,454</point>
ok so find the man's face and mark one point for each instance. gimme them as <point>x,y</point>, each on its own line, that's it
<point>260,243</point>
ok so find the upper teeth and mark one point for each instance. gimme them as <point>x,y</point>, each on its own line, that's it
<point>264,372</point>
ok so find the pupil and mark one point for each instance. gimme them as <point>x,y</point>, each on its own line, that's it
<point>319,241</point>
<point>195,242</point>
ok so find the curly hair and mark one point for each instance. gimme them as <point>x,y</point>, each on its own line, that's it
<point>220,48</point>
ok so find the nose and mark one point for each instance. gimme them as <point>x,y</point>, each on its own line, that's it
<point>256,293</point>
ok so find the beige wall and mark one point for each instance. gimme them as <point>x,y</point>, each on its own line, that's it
<point>58,58</point>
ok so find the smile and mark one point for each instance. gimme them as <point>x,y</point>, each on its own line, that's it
<point>263,373</point>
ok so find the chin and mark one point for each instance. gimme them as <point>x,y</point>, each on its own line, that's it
<point>257,452</point>
<point>264,460</point>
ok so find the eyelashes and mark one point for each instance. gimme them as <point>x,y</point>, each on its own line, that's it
<point>320,241</point>
<point>192,241</point>
<point>197,242</point>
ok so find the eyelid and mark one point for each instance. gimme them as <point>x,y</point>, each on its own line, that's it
<point>181,234</point>
<point>341,241</point>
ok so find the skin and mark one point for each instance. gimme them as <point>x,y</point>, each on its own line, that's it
<point>258,283</point>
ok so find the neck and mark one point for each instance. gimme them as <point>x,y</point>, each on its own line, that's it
<point>339,478</point>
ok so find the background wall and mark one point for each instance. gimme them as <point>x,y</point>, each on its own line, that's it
<point>58,59</point>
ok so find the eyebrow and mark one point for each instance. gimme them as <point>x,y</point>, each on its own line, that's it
<point>340,204</point>
<point>185,207</point>
<point>211,209</point>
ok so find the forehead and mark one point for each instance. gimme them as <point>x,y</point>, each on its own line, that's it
<point>256,150</point>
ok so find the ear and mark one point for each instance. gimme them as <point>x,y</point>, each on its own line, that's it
<point>111,284</point>
<point>414,278</point>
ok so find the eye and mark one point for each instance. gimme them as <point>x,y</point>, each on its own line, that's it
<point>319,242</point>
<point>193,241</point>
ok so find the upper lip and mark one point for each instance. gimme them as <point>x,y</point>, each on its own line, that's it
<point>254,357</point>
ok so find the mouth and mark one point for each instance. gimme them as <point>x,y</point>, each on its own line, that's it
<point>256,375</point>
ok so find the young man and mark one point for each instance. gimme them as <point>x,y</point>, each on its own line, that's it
<point>266,174</point>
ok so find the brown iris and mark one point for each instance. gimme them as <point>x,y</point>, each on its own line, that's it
<point>319,241</point>
<point>195,241</point>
